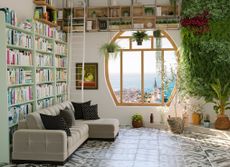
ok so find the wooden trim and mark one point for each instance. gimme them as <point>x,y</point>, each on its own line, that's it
<point>121,103</point>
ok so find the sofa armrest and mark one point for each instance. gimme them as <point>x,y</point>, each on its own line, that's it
<point>39,142</point>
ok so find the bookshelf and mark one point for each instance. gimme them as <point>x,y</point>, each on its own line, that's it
<point>34,72</point>
<point>118,18</point>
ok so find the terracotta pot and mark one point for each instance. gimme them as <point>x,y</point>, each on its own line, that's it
<point>196,118</point>
<point>137,124</point>
<point>222,122</point>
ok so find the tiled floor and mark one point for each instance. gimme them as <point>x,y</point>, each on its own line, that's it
<point>147,147</point>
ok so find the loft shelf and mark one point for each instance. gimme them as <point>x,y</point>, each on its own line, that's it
<point>43,3</point>
<point>47,22</point>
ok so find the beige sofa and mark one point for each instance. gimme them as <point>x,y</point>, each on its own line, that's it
<point>33,143</point>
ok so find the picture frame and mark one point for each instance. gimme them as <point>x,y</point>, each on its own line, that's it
<point>90,76</point>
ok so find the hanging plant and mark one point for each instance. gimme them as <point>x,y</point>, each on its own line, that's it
<point>110,49</point>
<point>157,33</point>
<point>139,37</point>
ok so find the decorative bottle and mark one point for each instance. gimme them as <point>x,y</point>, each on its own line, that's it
<point>151,118</point>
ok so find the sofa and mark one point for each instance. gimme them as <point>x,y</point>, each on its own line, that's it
<point>33,143</point>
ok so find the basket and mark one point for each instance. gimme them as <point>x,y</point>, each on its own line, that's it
<point>176,125</point>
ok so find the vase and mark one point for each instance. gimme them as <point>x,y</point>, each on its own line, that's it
<point>196,118</point>
<point>222,122</point>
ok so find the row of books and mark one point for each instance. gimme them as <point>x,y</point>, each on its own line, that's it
<point>61,99</point>
<point>43,45</point>
<point>19,95</point>
<point>61,88</point>
<point>44,75</point>
<point>60,48</point>
<point>45,103</point>
<point>17,38</point>
<point>59,35</point>
<point>19,76</point>
<point>44,90</point>
<point>44,60</point>
<point>18,113</point>
<point>60,61</point>
<point>17,57</point>
<point>10,16</point>
<point>43,29</point>
<point>61,75</point>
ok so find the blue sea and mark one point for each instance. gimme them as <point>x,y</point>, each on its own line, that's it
<point>133,81</point>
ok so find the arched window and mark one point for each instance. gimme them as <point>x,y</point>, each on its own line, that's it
<point>142,74</point>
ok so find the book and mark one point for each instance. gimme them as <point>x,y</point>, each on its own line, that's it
<point>17,57</point>
<point>19,95</point>
<point>19,76</point>
<point>44,90</point>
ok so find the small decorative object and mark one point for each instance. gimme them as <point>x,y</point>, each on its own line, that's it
<point>151,118</point>
<point>176,124</point>
<point>149,11</point>
<point>90,76</point>
<point>110,49</point>
<point>149,25</point>
<point>137,121</point>
<point>139,36</point>
<point>196,118</point>
<point>126,13</point>
<point>220,100</point>
<point>157,33</point>
<point>196,110</point>
<point>206,121</point>
<point>93,14</point>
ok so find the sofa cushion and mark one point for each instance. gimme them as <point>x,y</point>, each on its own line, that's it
<point>55,123</point>
<point>68,116</point>
<point>78,109</point>
<point>90,112</point>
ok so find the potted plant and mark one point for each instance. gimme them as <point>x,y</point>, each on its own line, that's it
<point>137,120</point>
<point>139,36</point>
<point>157,33</point>
<point>110,49</point>
<point>206,121</point>
<point>221,96</point>
<point>149,11</point>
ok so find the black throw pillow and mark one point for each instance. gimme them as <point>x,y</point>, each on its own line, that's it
<point>55,123</point>
<point>78,109</point>
<point>68,116</point>
<point>90,112</point>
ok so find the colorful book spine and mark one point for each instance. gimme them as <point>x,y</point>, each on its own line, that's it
<point>45,103</point>
<point>43,45</point>
<point>43,60</point>
<point>44,90</point>
<point>60,48</point>
<point>61,75</point>
<point>19,95</point>
<point>17,38</point>
<point>61,99</point>
<point>60,61</point>
<point>10,16</point>
<point>43,29</point>
<point>44,75</point>
<point>17,57</point>
<point>58,35</point>
<point>19,76</point>
<point>61,88</point>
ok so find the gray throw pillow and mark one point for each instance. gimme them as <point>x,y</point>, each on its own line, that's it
<point>68,115</point>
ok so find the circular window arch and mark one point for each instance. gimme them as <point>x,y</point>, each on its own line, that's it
<point>142,75</point>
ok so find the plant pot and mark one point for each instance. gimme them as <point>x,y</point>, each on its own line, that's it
<point>196,118</point>
<point>176,125</point>
<point>222,122</point>
<point>207,124</point>
<point>137,124</point>
<point>139,42</point>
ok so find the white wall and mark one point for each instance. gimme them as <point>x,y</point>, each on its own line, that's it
<point>102,96</point>
<point>23,8</point>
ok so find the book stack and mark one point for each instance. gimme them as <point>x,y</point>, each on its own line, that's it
<point>44,75</point>
<point>45,90</point>
<point>19,39</point>
<point>19,76</point>
<point>61,75</point>
<point>60,62</point>
<point>44,60</point>
<point>18,113</point>
<point>43,45</point>
<point>19,95</point>
<point>60,49</point>
<point>45,103</point>
<point>61,88</point>
<point>43,29</point>
<point>58,35</point>
<point>17,57</point>
<point>10,16</point>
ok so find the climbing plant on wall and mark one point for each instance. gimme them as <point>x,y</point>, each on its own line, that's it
<point>205,51</point>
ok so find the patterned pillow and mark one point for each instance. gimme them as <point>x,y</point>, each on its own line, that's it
<point>55,123</point>
<point>90,112</point>
<point>68,116</point>
<point>78,109</point>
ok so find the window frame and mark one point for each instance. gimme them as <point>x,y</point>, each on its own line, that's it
<point>142,50</point>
